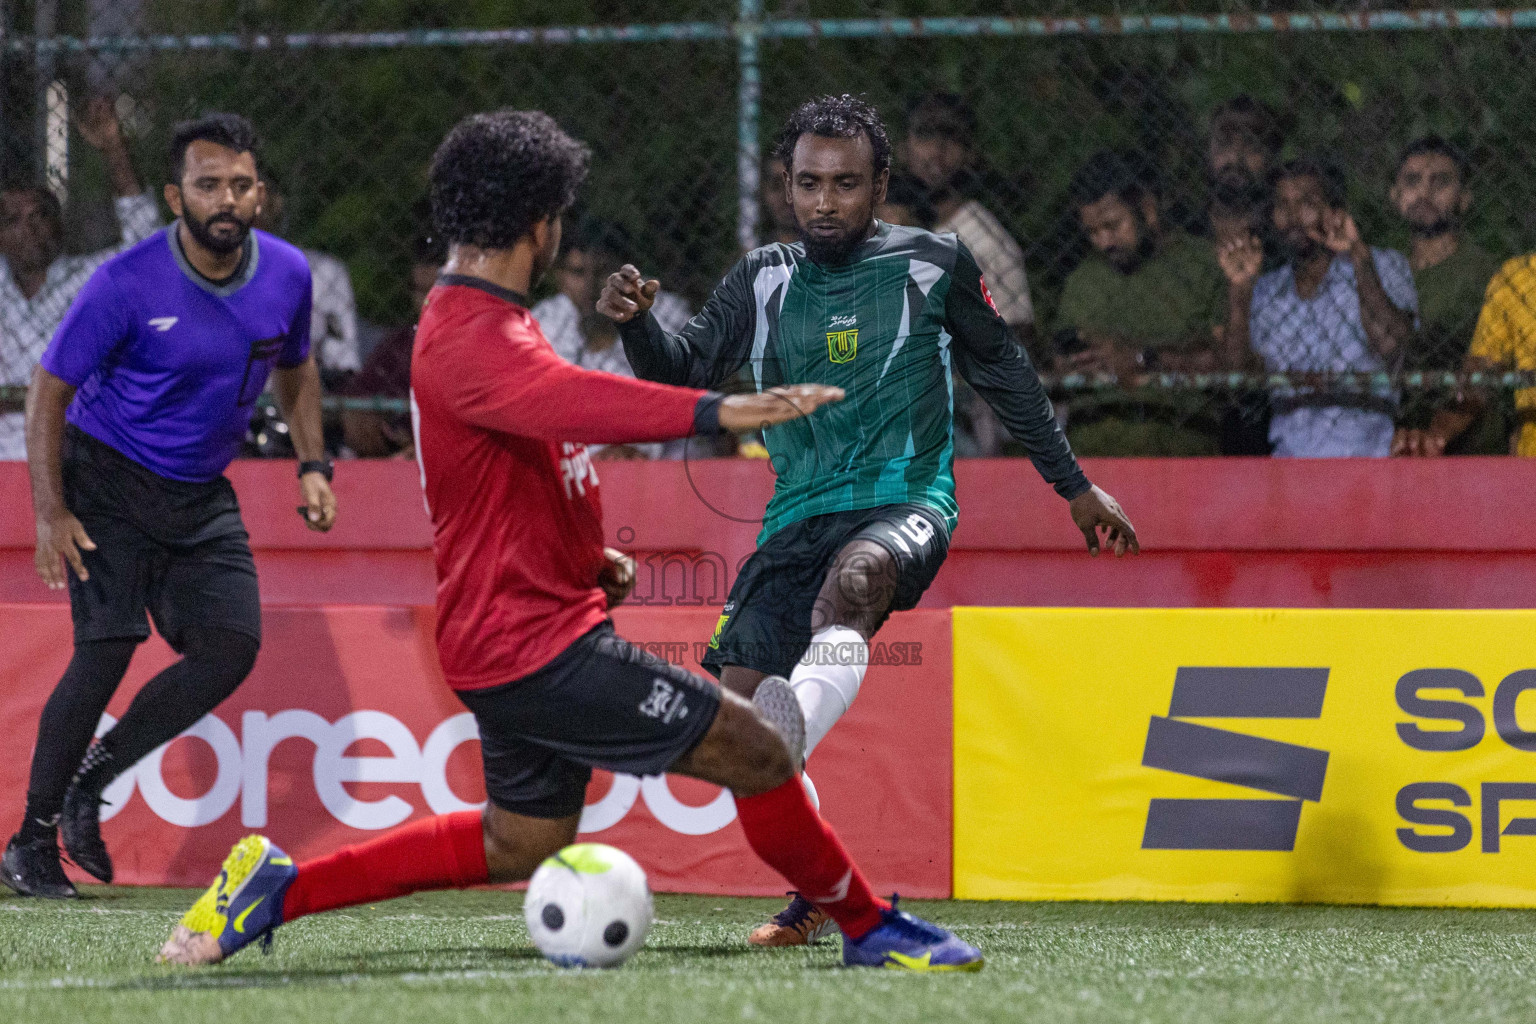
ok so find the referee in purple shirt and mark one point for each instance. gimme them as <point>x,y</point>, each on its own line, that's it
<point>141,402</point>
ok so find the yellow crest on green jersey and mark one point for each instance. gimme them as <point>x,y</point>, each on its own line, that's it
<point>842,345</point>
<point>714,640</point>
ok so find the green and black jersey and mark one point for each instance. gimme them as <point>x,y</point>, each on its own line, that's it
<point>886,327</point>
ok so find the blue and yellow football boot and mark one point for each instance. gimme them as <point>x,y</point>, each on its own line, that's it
<point>906,943</point>
<point>244,904</point>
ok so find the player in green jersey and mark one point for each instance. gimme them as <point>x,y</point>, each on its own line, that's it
<point>862,512</point>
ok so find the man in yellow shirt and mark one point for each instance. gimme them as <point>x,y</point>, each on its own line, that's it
<point>1505,338</point>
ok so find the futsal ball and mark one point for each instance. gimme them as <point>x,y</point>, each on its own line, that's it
<point>588,906</point>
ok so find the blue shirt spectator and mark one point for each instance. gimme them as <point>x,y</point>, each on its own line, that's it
<point>1336,306</point>
<point>1326,334</point>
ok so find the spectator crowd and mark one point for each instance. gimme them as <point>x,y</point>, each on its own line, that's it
<point>1269,276</point>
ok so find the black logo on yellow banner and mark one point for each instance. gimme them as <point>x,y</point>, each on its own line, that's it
<point>1415,801</point>
<point>842,345</point>
<point>1286,769</point>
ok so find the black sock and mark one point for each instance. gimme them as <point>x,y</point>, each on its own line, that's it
<point>98,768</point>
<point>65,729</point>
<point>216,661</point>
<point>37,829</point>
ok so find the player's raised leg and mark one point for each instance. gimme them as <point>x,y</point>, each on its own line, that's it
<point>746,748</point>
<point>852,602</point>
<point>260,888</point>
<point>748,751</point>
<point>215,661</point>
<point>887,557</point>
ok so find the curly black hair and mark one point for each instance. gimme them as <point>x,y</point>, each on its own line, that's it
<point>228,130</point>
<point>498,174</point>
<point>835,117</point>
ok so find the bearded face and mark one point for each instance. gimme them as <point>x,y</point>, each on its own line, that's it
<point>1429,194</point>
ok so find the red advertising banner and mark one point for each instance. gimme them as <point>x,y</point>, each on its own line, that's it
<point>345,728</point>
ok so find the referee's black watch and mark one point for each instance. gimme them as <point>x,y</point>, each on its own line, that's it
<point>325,467</point>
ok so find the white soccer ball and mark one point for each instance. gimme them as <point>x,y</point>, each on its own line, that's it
<point>588,906</point>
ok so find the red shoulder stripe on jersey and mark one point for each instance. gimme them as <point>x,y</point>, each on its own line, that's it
<point>986,293</point>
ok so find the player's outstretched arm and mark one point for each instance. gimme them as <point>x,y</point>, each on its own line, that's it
<point>711,347</point>
<point>742,413</point>
<point>525,389</point>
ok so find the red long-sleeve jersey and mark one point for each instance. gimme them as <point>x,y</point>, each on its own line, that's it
<point>500,422</point>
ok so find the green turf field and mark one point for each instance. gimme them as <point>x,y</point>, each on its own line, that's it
<point>461,957</point>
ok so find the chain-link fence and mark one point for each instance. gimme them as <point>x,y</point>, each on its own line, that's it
<point>1115,168</point>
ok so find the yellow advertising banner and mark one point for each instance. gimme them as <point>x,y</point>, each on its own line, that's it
<point>1247,755</point>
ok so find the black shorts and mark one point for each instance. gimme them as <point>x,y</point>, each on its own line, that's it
<point>177,550</point>
<point>602,703</point>
<point>768,619</point>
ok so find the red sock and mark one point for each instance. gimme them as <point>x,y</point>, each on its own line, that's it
<point>445,852</point>
<point>785,830</point>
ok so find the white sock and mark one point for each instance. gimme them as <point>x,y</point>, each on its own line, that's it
<point>810,791</point>
<point>828,679</point>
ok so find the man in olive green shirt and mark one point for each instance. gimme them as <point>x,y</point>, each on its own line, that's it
<point>1147,299</point>
<point>1451,273</point>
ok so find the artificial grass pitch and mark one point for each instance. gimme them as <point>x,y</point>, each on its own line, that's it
<point>464,956</point>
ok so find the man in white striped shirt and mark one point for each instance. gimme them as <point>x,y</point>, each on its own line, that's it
<point>333,311</point>
<point>940,151</point>
<point>37,282</point>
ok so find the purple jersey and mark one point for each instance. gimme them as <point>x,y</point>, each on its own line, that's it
<point>168,363</point>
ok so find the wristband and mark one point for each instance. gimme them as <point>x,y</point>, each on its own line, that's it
<point>324,467</point>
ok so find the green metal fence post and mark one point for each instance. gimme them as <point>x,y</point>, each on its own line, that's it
<point>748,98</point>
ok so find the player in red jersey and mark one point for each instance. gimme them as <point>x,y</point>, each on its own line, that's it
<point>524,587</point>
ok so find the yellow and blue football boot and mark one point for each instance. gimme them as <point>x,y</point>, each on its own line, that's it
<point>244,904</point>
<point>906,943</point>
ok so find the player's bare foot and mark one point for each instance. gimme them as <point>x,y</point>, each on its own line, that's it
<point>194,949</point>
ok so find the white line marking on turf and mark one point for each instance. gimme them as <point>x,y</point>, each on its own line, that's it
<point>174,914</point>
<point>269,980</point>
<point>85,910</point>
